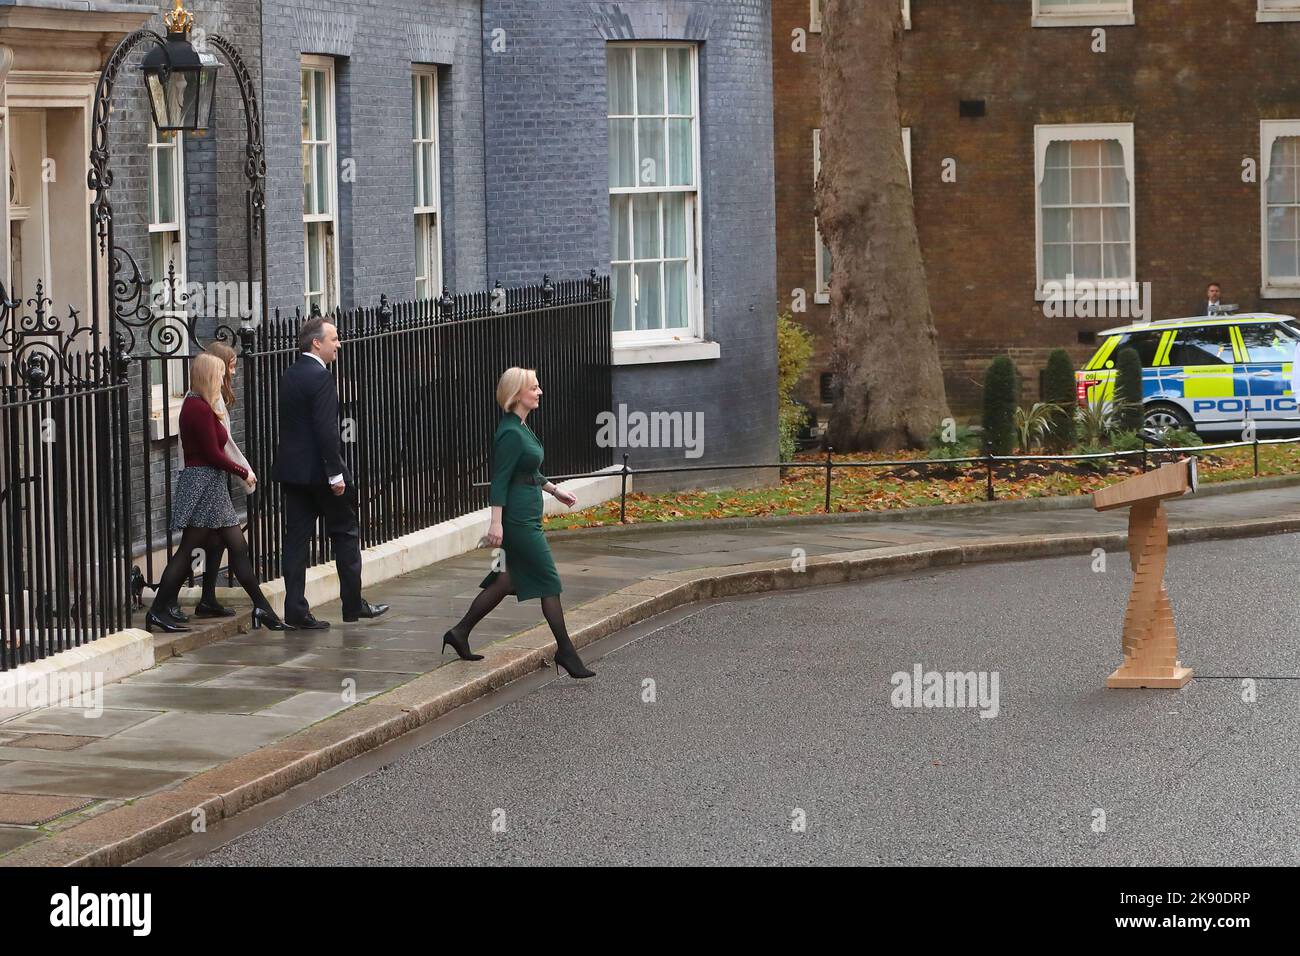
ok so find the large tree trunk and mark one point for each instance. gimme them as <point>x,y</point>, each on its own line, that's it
<point>886,358</point>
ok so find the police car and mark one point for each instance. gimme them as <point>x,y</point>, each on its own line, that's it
<point>1211,374</point>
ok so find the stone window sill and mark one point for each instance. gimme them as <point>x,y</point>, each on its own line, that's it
<point>1085,20</point>
<point>694,350</point>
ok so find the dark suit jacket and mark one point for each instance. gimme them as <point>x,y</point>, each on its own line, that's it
<point>311,448</point>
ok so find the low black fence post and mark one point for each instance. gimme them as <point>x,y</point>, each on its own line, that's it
<point>1255,442</point>
<point>829,449</point>
<point>622,495</point>
<point>988,465</point>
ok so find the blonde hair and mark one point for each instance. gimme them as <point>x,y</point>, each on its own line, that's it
<point>224,352</point>
<point>513,381</point>
<point>206,376</point>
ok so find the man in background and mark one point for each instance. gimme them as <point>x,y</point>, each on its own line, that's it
<point>1213,300</point>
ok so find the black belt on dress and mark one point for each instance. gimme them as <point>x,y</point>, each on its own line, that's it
<point>527,480</point>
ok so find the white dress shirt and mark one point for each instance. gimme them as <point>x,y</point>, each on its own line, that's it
<point>336,479</point>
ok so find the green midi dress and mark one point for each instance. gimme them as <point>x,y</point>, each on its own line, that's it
<point>516,451</point>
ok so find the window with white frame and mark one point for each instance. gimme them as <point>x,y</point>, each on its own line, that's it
<point>319,185</point>
<point>167,255</point>
<point>823,295</point>
<point>1079,13</point>
<point>654,192</point>
<point>1085,210</point>
<point>815,16</point>
<point>1277,11</point>
<point>1280,208</point>
<point>424,146</point>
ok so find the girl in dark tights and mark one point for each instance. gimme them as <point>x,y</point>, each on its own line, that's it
<point>202,507</point>
<point>215,548</point>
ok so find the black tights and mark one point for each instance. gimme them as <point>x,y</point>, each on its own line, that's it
<point>493,594</point>
<point>216,547</point>
<point>178,568</point>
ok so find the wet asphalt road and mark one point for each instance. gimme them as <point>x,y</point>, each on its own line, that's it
<point>772,738</point>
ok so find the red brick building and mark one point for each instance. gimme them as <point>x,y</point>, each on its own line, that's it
<point>1123,141</point>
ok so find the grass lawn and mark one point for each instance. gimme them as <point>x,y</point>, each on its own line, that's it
<point>802,490</point>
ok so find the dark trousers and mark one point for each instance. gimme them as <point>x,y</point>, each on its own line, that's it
<point>304,505</point>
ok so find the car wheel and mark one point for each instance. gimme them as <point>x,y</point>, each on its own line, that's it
<point>1162,416</point>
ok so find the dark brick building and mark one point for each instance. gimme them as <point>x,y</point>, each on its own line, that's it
<point>1126,142</point>
<point>417,145</point>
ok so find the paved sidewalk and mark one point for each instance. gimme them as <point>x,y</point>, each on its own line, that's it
<point>59,767</point>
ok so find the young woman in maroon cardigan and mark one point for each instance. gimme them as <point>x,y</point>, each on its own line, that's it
<point>201,506</point>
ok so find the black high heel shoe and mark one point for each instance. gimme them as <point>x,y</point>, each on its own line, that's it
<point>460,645</point>
<point>572,665</point>
<point>268,620</point>
<point>153,622</point>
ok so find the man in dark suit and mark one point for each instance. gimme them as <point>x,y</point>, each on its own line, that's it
<point>1213,300</point>
<point>316,482</point>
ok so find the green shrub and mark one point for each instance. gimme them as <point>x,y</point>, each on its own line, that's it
<point>1059,389</point>
<point>1033,425</point>
<point>1181,438</point>
<point>1126,441</point>
<point>1099,419</point>
<point>1128,389</point>
<point>951,440</point>
<point>1001,392</point>
<point>793,417</point>
<point>1100,465</point>
<point>794,349</point>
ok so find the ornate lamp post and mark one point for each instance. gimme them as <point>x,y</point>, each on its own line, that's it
<point>181,80</point>
<point>181,86</point>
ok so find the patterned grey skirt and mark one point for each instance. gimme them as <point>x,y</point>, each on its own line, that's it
<point>202,499</point>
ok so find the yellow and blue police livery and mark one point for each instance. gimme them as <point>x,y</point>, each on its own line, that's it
<point>1212,373</point>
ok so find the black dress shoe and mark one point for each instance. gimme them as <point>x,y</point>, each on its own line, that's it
<point>154,621</point>
<point>176,614</point>
<point>308,623</point>
<point>211,609</point>
<point>367,610</point>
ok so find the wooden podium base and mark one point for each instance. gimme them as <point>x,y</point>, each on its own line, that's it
<point>1150,638</point>
<point>1181,677</point>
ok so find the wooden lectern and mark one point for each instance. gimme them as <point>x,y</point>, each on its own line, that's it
<point>1150,641</point>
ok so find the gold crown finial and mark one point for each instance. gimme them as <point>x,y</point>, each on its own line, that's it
<point>179,20</point>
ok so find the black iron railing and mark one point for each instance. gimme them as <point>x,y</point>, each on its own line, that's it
<point>416,384</point>
<point>62,421</point>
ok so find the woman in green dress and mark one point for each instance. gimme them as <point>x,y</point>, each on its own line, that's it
<point>516,500</point>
